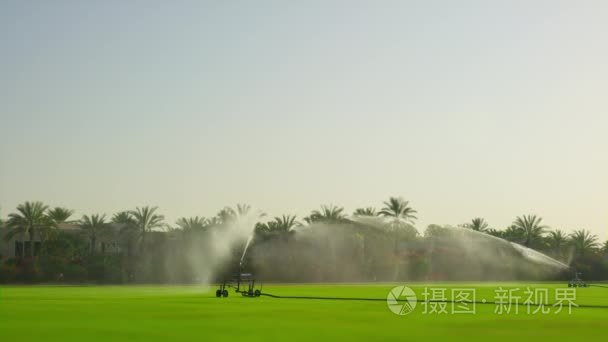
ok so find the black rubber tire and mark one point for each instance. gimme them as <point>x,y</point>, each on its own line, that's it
<point>257,293</point>
<point>218,293</point>
<point>225,293</point>
<point>250,293</point>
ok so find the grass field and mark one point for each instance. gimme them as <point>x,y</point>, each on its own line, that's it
<point>189,313</point>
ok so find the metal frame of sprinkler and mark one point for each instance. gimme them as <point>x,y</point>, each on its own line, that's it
<point>239,282</point>
<point>577,281</point>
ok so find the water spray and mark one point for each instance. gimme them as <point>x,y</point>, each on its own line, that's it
<point>245,251</point>
<point>243,283</point>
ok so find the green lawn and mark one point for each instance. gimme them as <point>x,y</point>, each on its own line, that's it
<point>192,313</point>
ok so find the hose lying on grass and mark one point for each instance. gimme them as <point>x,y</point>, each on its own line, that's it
<point>428,301</point>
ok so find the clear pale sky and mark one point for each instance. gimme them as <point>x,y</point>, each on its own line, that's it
<point>467,109</point>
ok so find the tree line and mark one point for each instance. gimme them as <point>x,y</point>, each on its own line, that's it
<point>141,246</point>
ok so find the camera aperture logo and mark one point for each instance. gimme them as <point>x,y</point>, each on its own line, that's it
<point>401,300</point>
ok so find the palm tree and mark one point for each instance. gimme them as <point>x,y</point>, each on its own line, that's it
<point>583,242</point>
<point>214,221</point>
<point>225,216</point>
<point>123,218</point>
<point>192,224</point>
<point>57,216</point>
<point>531,228</point>
<point>145,221</point>
<point>495,232</point>
<point>399,211</point>
<point>478,224</point>
<point>328,214</point>
<point>557,241</point>
<point>30,219</point>
<point>95,226</point>
<point>230,215</point>
<point>400,215</point>
<point>282,227</point>
<point>60,215</point>
<point>242,209</point>
<point>513,234</point>
<point>369,211</point>
<point>124,221</point>
<point>126,225</point>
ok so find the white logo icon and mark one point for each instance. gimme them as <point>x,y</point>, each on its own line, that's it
<point>401,300</point>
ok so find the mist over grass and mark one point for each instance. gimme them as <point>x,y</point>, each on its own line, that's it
<point>360,251</point>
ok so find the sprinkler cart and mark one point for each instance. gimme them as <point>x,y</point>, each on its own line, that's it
<point>242,283</point>
<point>577,281</point>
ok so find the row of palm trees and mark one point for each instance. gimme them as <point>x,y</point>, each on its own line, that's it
<point>396,208</point>
<point>529,231</point>
<point>37,219</point>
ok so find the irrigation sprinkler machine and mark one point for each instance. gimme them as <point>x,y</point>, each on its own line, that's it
<point>243,283</point>
<point>577,281</point>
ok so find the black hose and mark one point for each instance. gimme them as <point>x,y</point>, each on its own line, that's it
<point>428,301</point>
<point>326,298</point>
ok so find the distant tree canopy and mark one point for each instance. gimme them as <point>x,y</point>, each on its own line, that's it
<point>139,245</point>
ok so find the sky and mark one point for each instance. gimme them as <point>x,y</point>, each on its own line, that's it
<point>467,109</point>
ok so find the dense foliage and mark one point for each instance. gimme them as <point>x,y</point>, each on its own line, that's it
<point>328,245</point>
